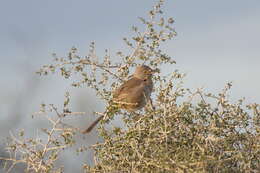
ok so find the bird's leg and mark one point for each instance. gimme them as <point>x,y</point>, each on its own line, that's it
<point>151,103</point>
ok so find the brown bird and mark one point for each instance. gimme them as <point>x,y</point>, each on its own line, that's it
<point>133,94</point>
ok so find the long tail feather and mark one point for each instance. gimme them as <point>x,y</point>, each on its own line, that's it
<point>89,129</point>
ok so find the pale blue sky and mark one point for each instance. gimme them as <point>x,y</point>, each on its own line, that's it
<point>217,42</point>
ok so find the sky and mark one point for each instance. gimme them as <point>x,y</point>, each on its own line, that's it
<point>217,42</point>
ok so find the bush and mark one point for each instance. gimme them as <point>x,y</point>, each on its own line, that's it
<point>189,131</point>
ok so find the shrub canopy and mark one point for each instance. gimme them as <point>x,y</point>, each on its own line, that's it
<point>189,130</point>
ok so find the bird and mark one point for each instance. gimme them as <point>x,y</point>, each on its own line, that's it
<point>133,94</point>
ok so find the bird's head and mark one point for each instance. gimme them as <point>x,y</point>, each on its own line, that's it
<point>144,72</point>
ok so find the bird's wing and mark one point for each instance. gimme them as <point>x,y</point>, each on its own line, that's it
<point>127,86</point>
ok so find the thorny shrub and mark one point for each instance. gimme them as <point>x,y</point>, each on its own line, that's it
<point>189,131</point>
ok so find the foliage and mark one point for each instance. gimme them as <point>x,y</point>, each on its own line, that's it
<point>189,131</point>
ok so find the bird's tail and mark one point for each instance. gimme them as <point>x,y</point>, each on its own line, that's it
<point>92,125</point>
